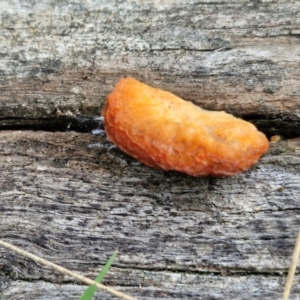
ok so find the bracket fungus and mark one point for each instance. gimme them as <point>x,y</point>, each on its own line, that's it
<point>164,131</point>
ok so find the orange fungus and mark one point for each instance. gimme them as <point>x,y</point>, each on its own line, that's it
<point>163,131</point>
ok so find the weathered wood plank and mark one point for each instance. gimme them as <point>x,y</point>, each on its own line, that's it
<point>170,286</point>
<point>73,198</point>
<point>59,61</point>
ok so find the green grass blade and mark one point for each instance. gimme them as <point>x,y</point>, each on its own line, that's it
<point>90,291</point>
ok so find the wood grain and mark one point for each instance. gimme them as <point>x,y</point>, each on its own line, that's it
<point>73,198</point>
<point>59,61</point>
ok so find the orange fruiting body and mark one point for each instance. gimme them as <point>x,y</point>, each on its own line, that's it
<point>163,131</point>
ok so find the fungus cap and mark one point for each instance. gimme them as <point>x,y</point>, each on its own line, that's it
<point>164,131</point>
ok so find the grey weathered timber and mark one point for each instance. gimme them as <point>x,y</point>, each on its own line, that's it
<point>58,60</point>
<point>73,198</point>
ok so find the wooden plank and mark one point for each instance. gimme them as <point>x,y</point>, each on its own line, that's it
<point>74,198</point>
<point>59,62</point>
<point>170,286</point>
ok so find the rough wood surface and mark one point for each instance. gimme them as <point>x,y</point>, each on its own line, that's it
<point>74,198</point>
<point>60,59</point>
